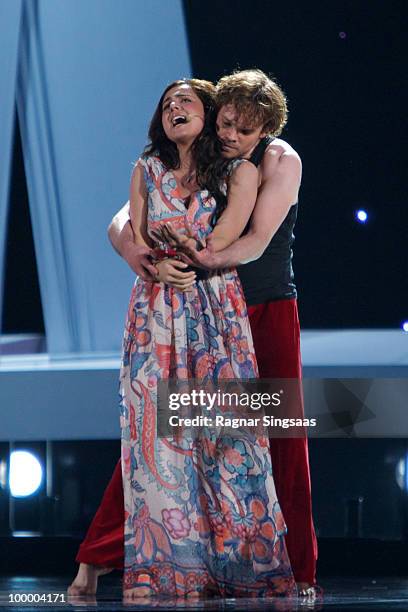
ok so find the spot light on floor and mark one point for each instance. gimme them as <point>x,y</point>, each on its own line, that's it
<point>25,474</point>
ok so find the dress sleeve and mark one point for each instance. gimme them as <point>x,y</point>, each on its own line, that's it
<point>144,163</point>
<point>234,165</point>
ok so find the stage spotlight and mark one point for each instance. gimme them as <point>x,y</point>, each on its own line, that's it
<point>401,473</point>
<point>3,474</point>
<point>25,475</point>
<point>405,326</point>
<point>361,216</point>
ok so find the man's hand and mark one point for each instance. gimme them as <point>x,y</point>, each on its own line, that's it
<point>193,252</point>
<point>206,258</point>
<point>138,258</point>
<point>176,240</point>
<point>170,272</point>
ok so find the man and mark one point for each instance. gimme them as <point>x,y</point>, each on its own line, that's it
<point>252,111</point>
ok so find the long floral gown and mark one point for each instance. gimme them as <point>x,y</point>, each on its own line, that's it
<point>199,515</point>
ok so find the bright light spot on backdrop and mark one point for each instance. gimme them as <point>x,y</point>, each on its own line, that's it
<point>401,473</point>
<point>25,474</point>
<point>361,216</point>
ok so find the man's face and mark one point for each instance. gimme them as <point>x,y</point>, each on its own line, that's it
<point>237,136</point>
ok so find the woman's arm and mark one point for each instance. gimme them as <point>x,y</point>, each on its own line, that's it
<point>138,207</point>
<point>131,245</point>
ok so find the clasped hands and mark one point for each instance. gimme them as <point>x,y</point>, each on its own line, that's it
<point>185,244</point>
<point>187,249</point>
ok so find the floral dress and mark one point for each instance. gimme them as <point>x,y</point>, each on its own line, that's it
<point>200,515</point>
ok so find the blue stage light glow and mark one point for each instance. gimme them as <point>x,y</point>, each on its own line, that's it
<point>405,326</point>
<point>25,475</point>
<point>401,473</point>
<point>361,215</point>
<point>3,474</point>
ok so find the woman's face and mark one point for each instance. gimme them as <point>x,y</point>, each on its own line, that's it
<point>182,114</point>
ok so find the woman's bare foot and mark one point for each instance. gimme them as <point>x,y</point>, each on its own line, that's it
<point>144,590</point>
<point>86,580</point>
<point>193,595</point>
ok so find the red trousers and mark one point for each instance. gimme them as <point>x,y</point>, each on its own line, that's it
<point>275,330</point>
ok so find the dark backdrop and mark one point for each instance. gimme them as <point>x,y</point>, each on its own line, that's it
<point>341,65</point>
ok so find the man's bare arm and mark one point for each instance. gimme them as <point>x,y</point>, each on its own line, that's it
<point>241,198</point>
<point>278,192</point>
<point>120,230</point>
<point>122,238</point>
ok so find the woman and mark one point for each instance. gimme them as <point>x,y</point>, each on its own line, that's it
<point>199,515</point>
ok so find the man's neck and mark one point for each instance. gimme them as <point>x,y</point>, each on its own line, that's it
<point>249,154</point>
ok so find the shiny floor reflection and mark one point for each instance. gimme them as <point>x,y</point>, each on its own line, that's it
<point>18,593</point>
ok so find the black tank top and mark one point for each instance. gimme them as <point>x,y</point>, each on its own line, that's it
<point>271,276</point>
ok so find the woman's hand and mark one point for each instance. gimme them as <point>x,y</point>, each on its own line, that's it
<point>170,273</point>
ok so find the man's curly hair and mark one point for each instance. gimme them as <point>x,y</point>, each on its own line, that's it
<point>257,98</point>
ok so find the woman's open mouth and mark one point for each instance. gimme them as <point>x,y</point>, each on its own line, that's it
<point>179,120</point>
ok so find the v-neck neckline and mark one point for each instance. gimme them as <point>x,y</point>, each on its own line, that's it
<point>178,187</point>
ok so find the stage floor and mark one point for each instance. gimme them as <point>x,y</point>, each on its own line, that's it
<point>362,594</point>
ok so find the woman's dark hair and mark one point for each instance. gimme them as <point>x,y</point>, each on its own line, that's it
<point>206,150</point>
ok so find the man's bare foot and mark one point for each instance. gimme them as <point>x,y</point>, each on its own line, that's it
<point>311,591</point>
<point>86,581</point>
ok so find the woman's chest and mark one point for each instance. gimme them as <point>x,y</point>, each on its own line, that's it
<point>168,203</point>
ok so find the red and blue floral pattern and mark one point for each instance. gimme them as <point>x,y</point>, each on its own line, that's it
<point>199,515</point>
